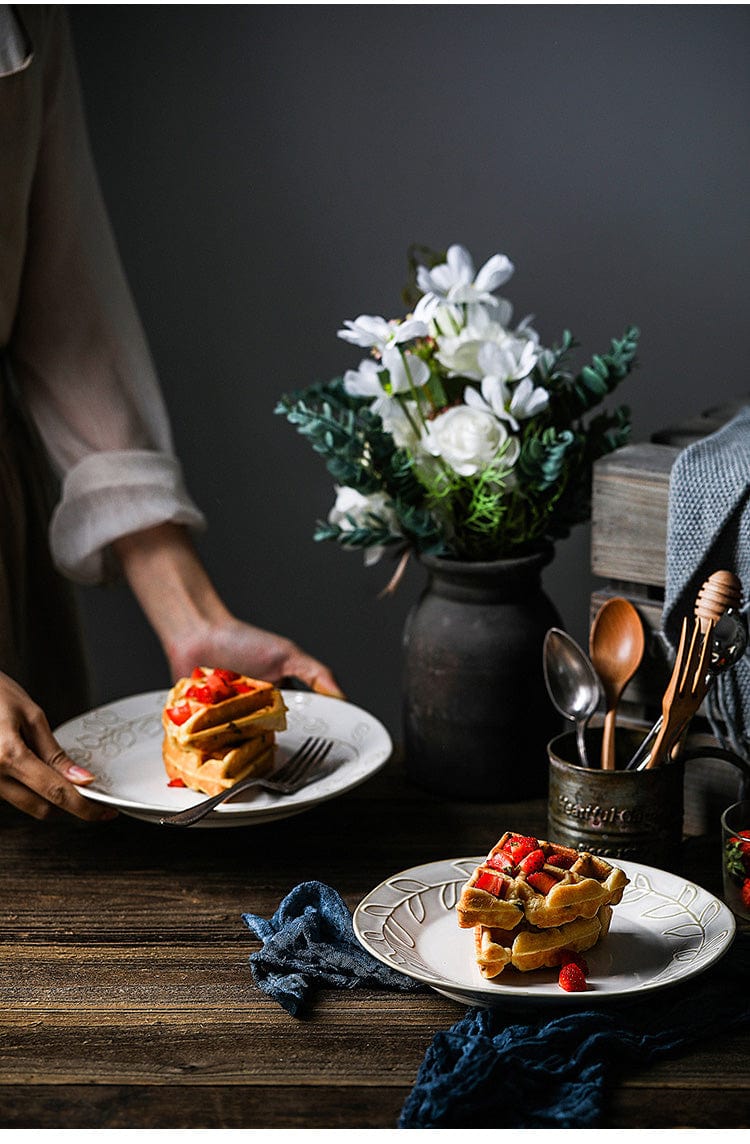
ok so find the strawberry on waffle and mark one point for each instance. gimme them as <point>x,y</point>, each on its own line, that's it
<point>219,727</point>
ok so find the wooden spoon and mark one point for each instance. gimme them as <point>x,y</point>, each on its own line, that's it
<point>616,645</point>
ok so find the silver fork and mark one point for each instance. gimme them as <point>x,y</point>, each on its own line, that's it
<point>289,778</point>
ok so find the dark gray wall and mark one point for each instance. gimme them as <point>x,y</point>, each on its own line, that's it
<point>266,169</point>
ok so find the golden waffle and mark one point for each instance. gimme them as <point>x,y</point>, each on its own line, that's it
<point>210,774</point>
<point>214,709</point>
<point>527,947</point>
<point>524,878</point>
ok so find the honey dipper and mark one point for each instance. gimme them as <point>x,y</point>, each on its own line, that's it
<point>720,592</point>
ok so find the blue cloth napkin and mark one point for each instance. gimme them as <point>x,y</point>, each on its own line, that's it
<point>514,1067</point>
<point>708,529</point>
<point>310,942</point>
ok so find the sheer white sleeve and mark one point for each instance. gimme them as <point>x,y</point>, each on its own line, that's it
<point>79,352</point>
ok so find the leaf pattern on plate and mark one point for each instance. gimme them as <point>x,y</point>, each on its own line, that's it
<point>398,934</point>
<point>685,904</point>
<point>396,943</point>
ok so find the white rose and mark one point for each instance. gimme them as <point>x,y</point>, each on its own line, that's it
<point>467,439</point>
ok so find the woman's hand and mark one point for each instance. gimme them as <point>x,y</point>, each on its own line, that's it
<point>231,643</point>
<point>36,775</point>
<point>193,624</point>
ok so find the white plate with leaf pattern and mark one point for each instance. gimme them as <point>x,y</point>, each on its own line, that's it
<point>664,930</point>
<point>121,744</point>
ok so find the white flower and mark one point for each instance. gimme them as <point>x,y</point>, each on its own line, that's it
<point>399,418</point>
<point>356,510</point>
<point>509,360</point>
<point>528,400</point>
<point>459,352</point>
<point>503,365</point>
<point>467,439</point>
<point>441,318</point>
<point>369,330</point>
<point>457,281</point>
<point>405,369</point>
<point>365,381</point>
<point>396,373</point>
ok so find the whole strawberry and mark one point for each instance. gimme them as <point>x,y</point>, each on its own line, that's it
<point>572,978</point>
<point>745,893</point>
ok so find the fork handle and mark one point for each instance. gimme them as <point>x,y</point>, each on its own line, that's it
<point>196,813</point>
<point>664,736</point>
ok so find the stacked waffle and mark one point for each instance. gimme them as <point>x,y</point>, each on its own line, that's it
<point>532,904</point>
<point>220,727</point>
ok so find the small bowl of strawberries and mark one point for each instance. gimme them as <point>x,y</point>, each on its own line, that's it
<point>735,838</point>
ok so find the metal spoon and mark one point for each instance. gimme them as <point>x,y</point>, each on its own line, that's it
<point>616,645</point>
<point>572,683</point>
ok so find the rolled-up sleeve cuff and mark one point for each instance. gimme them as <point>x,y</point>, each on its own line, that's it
<point>109,495</point>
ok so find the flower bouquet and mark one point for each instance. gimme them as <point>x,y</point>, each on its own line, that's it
<point>459,434</point>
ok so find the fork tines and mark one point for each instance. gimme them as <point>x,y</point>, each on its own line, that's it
<point>310,752</point>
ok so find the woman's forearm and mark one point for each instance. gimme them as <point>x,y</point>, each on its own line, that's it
<point>170,583</point>
<point>193,624</point>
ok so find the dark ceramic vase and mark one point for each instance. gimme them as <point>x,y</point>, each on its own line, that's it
<point>477,716</point>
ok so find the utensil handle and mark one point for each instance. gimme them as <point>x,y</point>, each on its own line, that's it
<point>608,741</point>
<point>665,737</point>
<point>644,749</point>
<point>201,809</point>
<point>581,741</point>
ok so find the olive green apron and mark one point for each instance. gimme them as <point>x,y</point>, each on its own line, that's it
<point>40,637</point>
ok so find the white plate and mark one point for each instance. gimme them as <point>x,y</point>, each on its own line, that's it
<point>121,744</point>
<point>665,929</point>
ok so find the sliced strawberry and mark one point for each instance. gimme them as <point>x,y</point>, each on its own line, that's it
<point>220,689</point>
<point>226,675</point>
<point>200,691</point>
<point>561,861</point>
<point>492,883</point>
<point>242,688</point>
<point>519,845</point>
<point>197,673</point>
<point>532,862</point>
<point>542,881</point>
<point>180,713</point>
<point>499,861</point>
<point>572,978</point>
<point>176,782</point>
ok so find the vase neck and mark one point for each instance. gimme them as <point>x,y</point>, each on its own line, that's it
<point>511,579</point>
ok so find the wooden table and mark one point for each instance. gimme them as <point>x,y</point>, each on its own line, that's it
<point>126,999</point>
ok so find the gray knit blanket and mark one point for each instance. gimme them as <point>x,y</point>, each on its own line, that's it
<point>708,529</point>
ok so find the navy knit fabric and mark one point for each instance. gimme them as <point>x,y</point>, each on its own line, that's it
<point>310,942</point>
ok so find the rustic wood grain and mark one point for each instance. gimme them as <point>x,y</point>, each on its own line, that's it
<point>630,497</point>
<point>127,1000</point>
